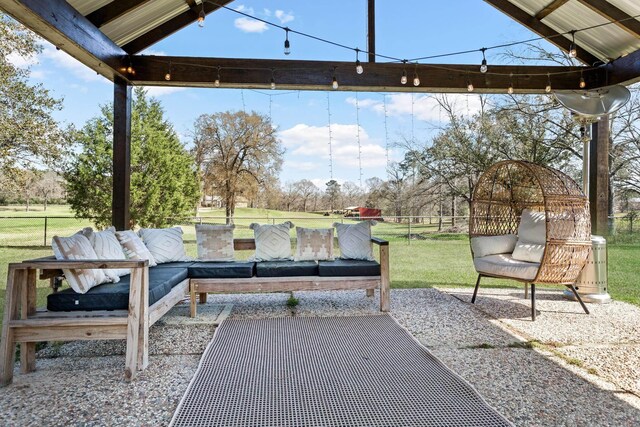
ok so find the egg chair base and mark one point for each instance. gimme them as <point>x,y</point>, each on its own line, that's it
<point>532,293</point>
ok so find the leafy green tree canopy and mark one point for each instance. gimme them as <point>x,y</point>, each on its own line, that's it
<point>29,136</point>
<point>164,185</point>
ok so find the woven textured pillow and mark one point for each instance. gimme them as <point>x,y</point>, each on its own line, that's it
<point>314,244</point>
<point>354,240</point>
<point>165,244</point>
<point>272,241</point>
<point>215,242</point>
<point>133,247</point>
<point>106,245</point>
<point>78,247</point>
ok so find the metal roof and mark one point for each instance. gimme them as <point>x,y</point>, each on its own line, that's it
<point>606,42</point>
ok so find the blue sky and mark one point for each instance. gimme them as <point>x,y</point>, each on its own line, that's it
<point>406,29</point>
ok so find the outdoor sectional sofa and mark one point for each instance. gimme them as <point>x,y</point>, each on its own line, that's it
<point>126,310</point>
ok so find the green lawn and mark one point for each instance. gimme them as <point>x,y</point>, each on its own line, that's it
<point>437,260</point>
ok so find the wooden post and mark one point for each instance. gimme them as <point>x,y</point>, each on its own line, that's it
<point>11,305</point>
<point>192,299</point>
<point>133,323</point>
<point>28,308</point>
<point>143,338</point>
<point>599,177</point>
<point>385,298</point>
<point>371,30</point>
<point>121,154</point>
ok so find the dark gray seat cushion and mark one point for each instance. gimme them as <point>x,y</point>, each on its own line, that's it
<point>286,268</point>
<point>115,296</point>
<point>176,264</point>
<point>348,267</point>
<point>221,270</point>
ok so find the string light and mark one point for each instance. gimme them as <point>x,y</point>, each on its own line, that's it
<point>334,84</point>
<point>510,89</point>
<point>416,79</point>
<point>167,76</point>
<point>573,52</point>
<point>273,80</point>
<point>403,79</point>
<point>359,68</point>
<point>483,64</point>
<point>201,16</point>
<point>216,82</point>
<point>287,45</point>
<point>469,86</point>
<point>548,88</point>
<point>583,84</point>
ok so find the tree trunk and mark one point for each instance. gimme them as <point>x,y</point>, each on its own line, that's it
<point>45,203</point>
<point>453,211</point>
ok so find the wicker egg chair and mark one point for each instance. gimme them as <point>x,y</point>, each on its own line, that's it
<point>509,187</point>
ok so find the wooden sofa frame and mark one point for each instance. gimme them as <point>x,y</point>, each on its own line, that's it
<point>202,287</point>
<point>23,323</point>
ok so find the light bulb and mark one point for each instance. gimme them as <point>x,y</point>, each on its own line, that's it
<point>548,88</point>
<point>201,17</point>
<point>273,83</point>
<point>359,68</point>
<point>216,82</point>
<point>130,70</point>
<point>167,76</point>
<point>483,66</point>
<point>403,79</point>
<point>287,47</point>
<point>416,80</point>
<point>335,83</point>
<point>469,86</point>
<point>510,89</point>
<point>583,84</point>
<point>573,52</point>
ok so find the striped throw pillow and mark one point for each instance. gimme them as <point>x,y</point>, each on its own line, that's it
<point>133,247</point>
<point>77,247</point>
<point>106,245</point>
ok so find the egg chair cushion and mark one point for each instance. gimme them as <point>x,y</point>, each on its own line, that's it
<point>531,252</point>
<point>504,265</point>
<point>533,227</point>
<point>490,245</point>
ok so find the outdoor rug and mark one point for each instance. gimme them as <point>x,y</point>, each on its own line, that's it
<point>315,371</point>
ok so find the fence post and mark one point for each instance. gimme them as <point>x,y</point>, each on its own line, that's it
<point>45,231</point>
<point>409,235</point>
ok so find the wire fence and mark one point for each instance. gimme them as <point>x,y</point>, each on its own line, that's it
<point>34,231</point>
<point>37,231</point>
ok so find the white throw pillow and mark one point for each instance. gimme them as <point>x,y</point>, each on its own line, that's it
<point>526,251</point>
<point>314,244</point>
<point>77,247</point>
<point>354,240</point>
<point>272,241</point>
<point>491,245</point>
<point>133,247</point>
<point>215,242</point>
<point>106,245</point>
<point>165,244</point>
<point>533,227</point>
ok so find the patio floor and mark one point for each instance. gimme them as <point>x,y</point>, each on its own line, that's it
<point>566,368</point>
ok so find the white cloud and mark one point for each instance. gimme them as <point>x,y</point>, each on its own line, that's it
<point>20,61</point>
<point>249,25</point>
<point>284,17</point>
<point>163,90</point>
<point>303,166</point>
<point>425,107</point>
<point>153,52</point>
<point>245,9</point>
<point>313,141</point>
<point>65,61</point>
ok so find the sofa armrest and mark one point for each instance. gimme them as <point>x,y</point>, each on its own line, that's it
<point>50,263</point>
<point>379,241</point>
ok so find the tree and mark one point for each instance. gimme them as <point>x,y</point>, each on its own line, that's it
<point>29,136</point>
<point>239,152</point>
<point>307,191</point>
<point>333,194</point>
<point>164,186</point>
<point>49,187</point>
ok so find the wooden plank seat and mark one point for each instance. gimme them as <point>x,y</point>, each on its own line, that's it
<point>127,309</point>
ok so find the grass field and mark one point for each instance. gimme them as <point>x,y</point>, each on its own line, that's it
<point>434,260</point>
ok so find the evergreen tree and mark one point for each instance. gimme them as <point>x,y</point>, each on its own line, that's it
<point>164,185</point>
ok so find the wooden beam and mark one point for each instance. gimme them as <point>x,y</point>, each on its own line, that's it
<point>620,17</point>
<point>599,177</point>
<point>317,75</point>
<point>550,8</point>
<point>121,154</point>
<point>543,30</point>
<point>113,10</point>
<point>625,70</point>
<point>170,27</point>
<point>371,30</point>
<point>62,25</point>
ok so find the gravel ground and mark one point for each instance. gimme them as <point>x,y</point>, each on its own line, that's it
<point>565,369</point>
